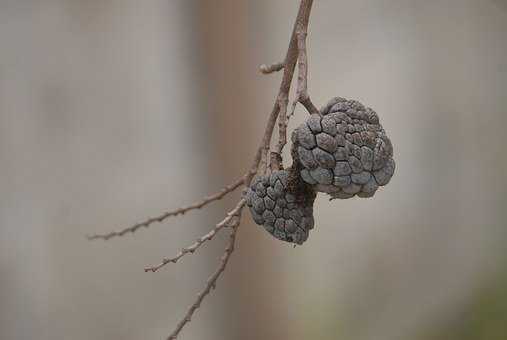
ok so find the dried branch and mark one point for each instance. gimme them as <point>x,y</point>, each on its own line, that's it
<point>267,69</point>
<point>302,95</point>
<point>232,220</point>
<point>180,211</point>
<point>279,108</point>
<point>210,283</point>
<point>261,156</point>
<point>280,105</point>
<point>275,162</point>
<point>282,122</point>
<point>294,53</point>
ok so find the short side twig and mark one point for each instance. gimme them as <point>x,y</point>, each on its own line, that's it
<point>180,211</point>
<point>267,69</point>
<point>232,220</point>
<point>210,283</point>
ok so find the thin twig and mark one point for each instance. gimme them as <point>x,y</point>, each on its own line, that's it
<point>180,211</point>
<point>288,73</point>
<point>300,25</point>
<point>210,283</point>
<point>282,122</point>
<point>302,95</point>
<point>231,220</point>
<point>267,69</point>
<point>275,162</point>
<point>302,89</point>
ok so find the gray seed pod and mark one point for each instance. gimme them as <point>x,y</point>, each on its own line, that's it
<point>282,204</point>
<point>343,150</point>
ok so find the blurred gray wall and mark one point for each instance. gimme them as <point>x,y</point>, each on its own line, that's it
<point>99,129</point>
<point>112,111</point>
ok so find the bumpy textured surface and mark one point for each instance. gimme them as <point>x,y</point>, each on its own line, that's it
<point>343,150</point>
<point>283,205</point>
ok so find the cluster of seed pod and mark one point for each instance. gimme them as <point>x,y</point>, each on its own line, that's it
<point>342,151</point>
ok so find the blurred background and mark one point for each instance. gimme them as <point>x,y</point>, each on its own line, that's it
<point>113,111</point>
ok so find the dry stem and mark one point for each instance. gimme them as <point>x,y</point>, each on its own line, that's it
<point>302,95</point>
<point>293,54</point>
<point>210,284</point>
<point>180,211</point>
<point>232,220</point>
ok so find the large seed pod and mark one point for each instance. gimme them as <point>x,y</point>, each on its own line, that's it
<point>343,150</point>
<point>282,204</point>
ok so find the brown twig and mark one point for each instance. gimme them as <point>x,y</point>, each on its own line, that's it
<point>280,106</point>
<point>302,95</point>
<point>180,211</point>
<point>300,26</point>
<point>210,283</point>
<point>275,161</point>
<point>267,69</point>
<point>232,220</point>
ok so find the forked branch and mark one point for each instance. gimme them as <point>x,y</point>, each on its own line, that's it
<point>232,220</point>
<point>296,51</point>
<point>279,112</point>
<point>210,284</point>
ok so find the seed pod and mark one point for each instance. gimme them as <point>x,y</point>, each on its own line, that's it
<point>282,204</point>
<point>343,150</point>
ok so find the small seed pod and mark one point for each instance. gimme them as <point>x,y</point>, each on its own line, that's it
<point>343,150</point>
<point>282,204</point>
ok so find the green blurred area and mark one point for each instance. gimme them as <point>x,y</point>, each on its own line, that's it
<point>482,317</point>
